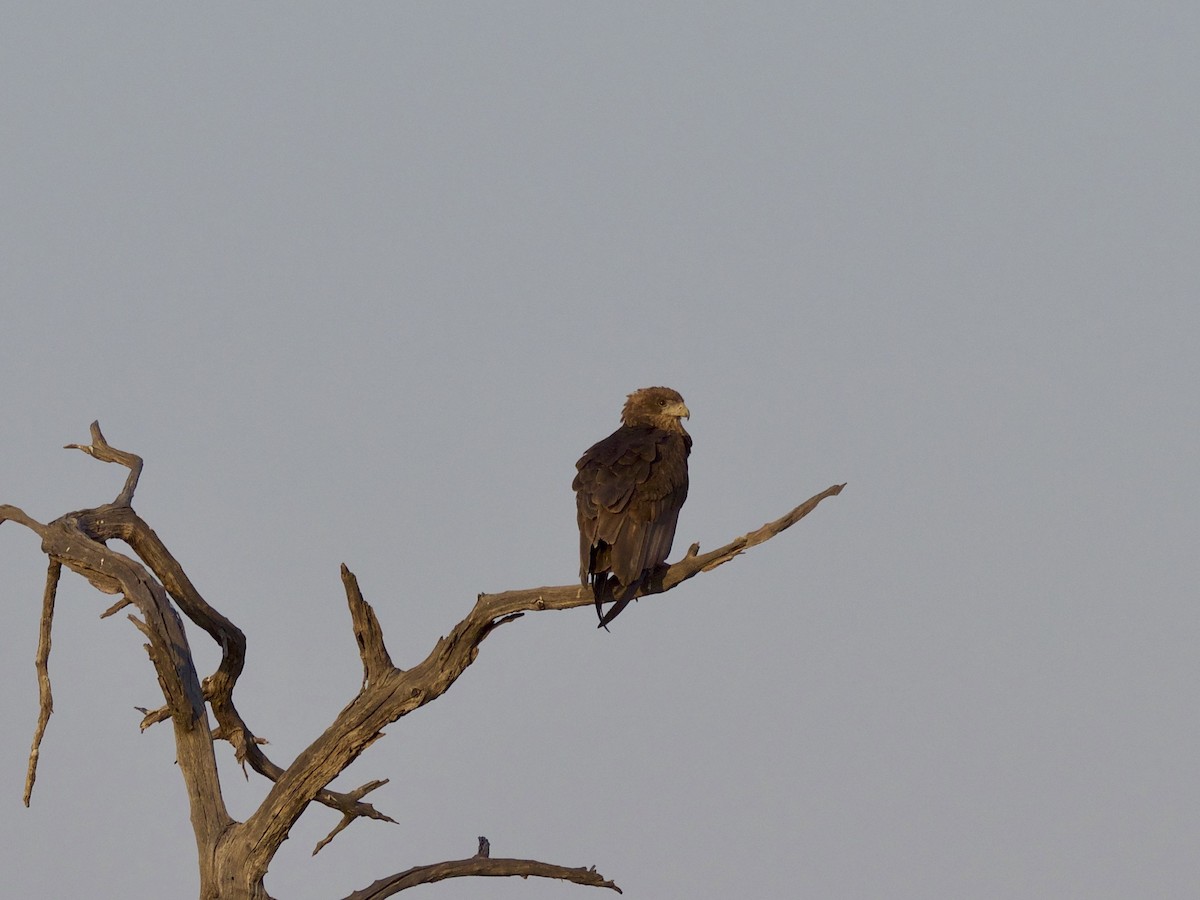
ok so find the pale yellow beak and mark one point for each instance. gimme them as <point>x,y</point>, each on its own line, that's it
<point>680,410</point>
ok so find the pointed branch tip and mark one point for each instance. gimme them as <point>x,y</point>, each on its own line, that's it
<point>45,697</point>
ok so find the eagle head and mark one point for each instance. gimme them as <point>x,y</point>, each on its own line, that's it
<point>659,407</point>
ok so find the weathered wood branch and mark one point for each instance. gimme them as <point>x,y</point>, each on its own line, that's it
<point>234,856</point>
<point>125,524</point>
<point>479,866</point>
<point>350,814</point>
<point>375,658</point>
<point>71,542</point>
<point>15,514</point>
<point>394,693</point>
<point>99,449</point>
<point>42,664</point>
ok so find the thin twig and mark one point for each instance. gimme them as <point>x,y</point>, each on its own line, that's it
<point>350,815</point>
<point>42,663</point>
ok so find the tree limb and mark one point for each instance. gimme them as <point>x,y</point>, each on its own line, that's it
<point>350,815</point>
<point>217,689</point>
<point>42,664</point>
<point>395,693</point>
<point>15,514</point>
<point>375,658</point>
<point>480,866</point>
<point>692,564</point>
<point>99,449</point>
<point>65,540</point>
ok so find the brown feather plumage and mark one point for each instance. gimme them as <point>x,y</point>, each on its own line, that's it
<point>629,489</point>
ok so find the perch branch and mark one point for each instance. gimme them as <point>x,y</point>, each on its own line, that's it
<point>42,663</point>
<point>692,564</point>
<point>395,693</point>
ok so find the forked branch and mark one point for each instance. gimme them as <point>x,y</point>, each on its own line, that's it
<point>390,694</point>
<point>100,449</point>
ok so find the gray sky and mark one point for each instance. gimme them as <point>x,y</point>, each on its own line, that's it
<point>360,283</point>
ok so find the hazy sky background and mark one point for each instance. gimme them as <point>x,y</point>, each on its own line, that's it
<point>361,282</point>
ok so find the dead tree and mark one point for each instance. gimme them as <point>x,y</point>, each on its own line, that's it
<point>234,856</point>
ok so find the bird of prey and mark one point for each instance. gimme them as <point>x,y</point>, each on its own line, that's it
<point>628,492</point>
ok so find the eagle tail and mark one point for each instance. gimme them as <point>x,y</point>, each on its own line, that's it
<point>613,613</point>
<point>602,591</point>
<point>620,600</point>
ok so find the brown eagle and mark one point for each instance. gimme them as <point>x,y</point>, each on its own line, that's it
<point>628,492</point>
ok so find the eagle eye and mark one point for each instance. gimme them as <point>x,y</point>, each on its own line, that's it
<point>662,402</point>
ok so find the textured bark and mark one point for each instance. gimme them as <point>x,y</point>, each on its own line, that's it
<point>234,856</point>
<point>42,663</point>
<point>478,866</point>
